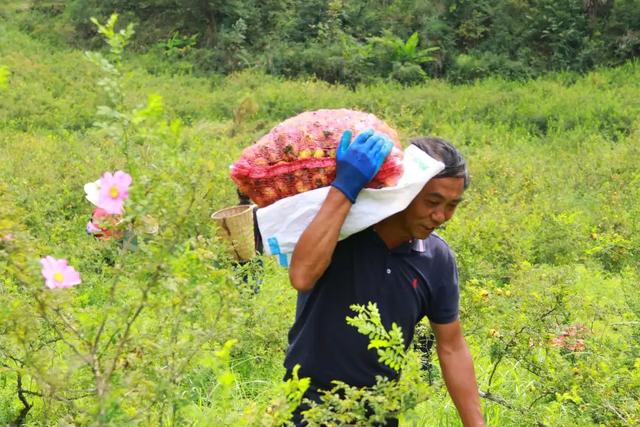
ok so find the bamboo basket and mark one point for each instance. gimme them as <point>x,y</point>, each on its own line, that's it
<point>235,226</point>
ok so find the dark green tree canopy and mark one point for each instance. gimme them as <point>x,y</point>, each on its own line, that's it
<point>352,41</point>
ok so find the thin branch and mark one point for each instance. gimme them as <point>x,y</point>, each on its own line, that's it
<point>43,312</point>
<point>25,403</point>
<point>499,400</point>
<point>543,395</point>
<point>512,342</point>
<point>68,324</point>
<point>132,319</point>
<point>88,393</point>
<point>96,341</point>
<point>492,397</point>
<point>502,355</point>
<point>197,348</point>
<point>612,408</point>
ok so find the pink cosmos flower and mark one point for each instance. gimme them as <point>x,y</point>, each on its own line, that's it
<point>58,274</point>
<point>114,190</point>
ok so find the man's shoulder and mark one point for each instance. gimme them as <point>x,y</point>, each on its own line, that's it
<point>438,248</point>
<point>365,237</point>
<point>437,240</point>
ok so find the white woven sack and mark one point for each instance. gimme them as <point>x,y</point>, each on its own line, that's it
<point>282,222</point>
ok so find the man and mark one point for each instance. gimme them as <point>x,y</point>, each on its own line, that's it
<point>399,264</point>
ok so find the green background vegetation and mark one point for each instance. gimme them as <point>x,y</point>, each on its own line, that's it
<point>360,41</point>
<point>547,240</point>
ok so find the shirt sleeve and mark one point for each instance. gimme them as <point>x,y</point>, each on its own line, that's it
<point>444,306</point>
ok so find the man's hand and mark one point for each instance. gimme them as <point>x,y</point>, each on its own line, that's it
<point>360,161</point>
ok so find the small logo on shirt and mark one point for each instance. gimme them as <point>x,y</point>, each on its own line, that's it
<point>414,283</point>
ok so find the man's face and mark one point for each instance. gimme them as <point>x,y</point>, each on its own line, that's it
<point>433,206</point>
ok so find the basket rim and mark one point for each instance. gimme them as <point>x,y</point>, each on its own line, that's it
<point>231,211</point>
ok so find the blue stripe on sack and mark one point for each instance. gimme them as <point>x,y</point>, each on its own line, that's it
<point>274,247</point>
<point>284,260</point>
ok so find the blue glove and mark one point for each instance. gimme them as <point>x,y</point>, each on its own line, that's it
<point>360,161</point>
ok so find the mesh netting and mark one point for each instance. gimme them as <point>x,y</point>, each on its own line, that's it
<point>298,155</point>
<point>105,225</point>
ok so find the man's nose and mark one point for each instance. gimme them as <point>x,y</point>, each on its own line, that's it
<point>438,216</point>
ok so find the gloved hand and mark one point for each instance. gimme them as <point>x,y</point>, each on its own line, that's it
<point>360,161</point>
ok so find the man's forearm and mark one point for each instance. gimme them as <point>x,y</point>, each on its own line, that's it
<point>459,375</point>
<point>315,247</point>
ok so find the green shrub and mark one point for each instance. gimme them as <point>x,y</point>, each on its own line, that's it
<point>514,39</point>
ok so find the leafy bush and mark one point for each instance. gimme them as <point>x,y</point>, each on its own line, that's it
<point>513,39</point>
<point>470,67</point>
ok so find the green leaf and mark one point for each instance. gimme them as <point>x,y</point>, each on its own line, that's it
<point>226,378</point>
<point>377,343</point>
<point>4,77</point>
<point>412,43</point>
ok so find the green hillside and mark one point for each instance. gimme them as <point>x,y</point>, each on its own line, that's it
<point>547,240</point>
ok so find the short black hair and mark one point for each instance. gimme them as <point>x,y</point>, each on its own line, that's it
<point>455,165</point>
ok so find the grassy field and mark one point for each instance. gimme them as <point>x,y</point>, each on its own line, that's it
<point>547,241</point>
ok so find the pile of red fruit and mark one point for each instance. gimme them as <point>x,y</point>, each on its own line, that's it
<point>104,226</point>
<point>299,154</point>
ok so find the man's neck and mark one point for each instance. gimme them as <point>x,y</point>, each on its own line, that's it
<point>392,232</point>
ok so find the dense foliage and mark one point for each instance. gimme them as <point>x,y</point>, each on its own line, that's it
<point>361,41</point>
<point>165,330</point>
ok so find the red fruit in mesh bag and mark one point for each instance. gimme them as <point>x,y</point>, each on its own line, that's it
<point>299,155</point>
<point>269,193</point>
<point>320,180</point>
<point>105,225</point>
<point>283,187</point>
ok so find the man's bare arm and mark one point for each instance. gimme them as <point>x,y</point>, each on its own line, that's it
<point>458,372</point>
<point>314,250</point>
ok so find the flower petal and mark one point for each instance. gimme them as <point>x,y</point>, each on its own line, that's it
<point>122,179</point>
<point>106,177</point>
<point>92,190</point>
<point>71,277</point>
<point>111,206</point>
<point>48,266</point>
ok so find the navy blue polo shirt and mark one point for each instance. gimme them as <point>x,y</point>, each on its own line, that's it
<point>408,282</point>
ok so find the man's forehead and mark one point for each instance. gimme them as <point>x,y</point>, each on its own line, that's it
<point>443,196</point>
<point>446,187</point>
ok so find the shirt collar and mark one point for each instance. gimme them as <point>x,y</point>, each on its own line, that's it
<point>415,245</point>
<point>419,245</point>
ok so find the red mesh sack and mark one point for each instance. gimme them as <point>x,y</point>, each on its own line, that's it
<point>298,155</point>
